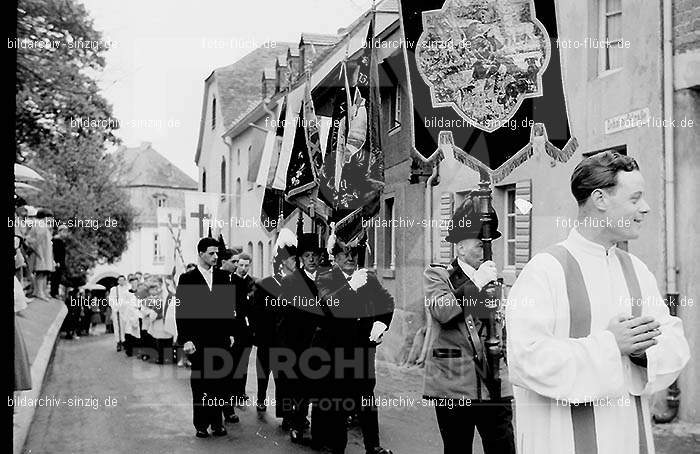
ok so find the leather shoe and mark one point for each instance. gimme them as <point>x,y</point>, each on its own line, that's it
<point>202,434</point>
<point>378,450</point>
<point>219,431</point>
<point>297,436</point>
<point>233,419</point>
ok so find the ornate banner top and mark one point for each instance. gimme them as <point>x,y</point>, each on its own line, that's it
<point>482,58</point>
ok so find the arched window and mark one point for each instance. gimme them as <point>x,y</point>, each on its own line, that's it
<point>213,113</point>
<point>237,198</point>
<point>260,259</point>
<point>270,255</point>
<point>250,249</point>
<point>204,180</point>
<point>238,156</point>
<point>223,175</point>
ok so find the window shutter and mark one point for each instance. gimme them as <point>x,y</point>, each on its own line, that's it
<point>523,226</point>
<point>446,212</point>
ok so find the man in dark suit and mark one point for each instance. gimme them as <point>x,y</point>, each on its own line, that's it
<point>357,313</point>
<point>264,318</point>
<point>245,284</point>
<point>206,329</point>
<point>297,328</point>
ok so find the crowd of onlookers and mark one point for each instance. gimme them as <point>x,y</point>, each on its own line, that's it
<point>40,252</point>
<point>40,262</point>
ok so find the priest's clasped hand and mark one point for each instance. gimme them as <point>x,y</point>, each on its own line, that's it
<point>378,329</point>
<point>486,273</point>
<point>358,278</point>
<point>634,334</point>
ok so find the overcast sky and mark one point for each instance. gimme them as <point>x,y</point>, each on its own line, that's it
<point>164,49</point>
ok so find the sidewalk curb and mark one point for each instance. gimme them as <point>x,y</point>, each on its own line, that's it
<point>25,414</point>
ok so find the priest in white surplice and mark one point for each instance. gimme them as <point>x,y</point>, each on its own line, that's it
<point>589,336</point>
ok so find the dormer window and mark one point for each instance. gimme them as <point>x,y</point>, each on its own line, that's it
<point>161,201</point>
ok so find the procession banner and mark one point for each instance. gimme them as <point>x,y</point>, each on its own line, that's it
<point>485,81</point>
<point>274,207</point>
<point>330,174</point>
<point>361,162</point>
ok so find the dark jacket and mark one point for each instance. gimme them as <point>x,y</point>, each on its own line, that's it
<point>244,301</point>
<point>450,371</point>
<point>297,327</point>
<point>347,323</point>
<point>350,314</point>
<point>205,318</point>
<point>300,312</point>
<point>265,310</point>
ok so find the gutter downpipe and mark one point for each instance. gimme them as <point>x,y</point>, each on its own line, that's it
<point>428,252</point>
<point>673,398</point>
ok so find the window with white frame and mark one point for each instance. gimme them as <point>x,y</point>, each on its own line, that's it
<point>237,199</point>
<point>223,175</point>
<point>610,39</point>
<point>372,244</point>
<point>509,234</point>
<point>161,201</point>
<point>157,250</point>
<point>389,234</point>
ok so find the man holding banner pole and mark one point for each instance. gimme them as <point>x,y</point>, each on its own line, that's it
<point>464,377</point>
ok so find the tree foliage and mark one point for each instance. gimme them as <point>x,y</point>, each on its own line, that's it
<point>59,56</point>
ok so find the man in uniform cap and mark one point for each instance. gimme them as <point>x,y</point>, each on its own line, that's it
<point>285,262</point>
<point>357,311</point>
<point>454,375</point>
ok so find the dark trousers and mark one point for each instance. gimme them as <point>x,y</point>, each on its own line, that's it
<point>56,281</point>
<point>206,401</point>
<point>163,349</point>
<point>146,344</point>
<point>129,343</point>
<point>235,381</point>
<point>492,420</point>
<point>208,387</point>
<point>263,371</point>
<point>72,320</point>
<point>329,416</point>
<point>241,357</point>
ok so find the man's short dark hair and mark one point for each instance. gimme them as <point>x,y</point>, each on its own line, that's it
<point>205,243</point>
<point>599,171</point>
<point>121,276</point>
<point>244,256</point>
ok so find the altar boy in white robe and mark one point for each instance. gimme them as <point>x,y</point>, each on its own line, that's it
<point>589,336</point>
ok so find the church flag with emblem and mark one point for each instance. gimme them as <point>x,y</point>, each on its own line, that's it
<point>362,159</point>
<point>273,207</point>
<point>485,81</point>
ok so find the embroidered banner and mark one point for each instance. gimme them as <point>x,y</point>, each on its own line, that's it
<point>485,81</point>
